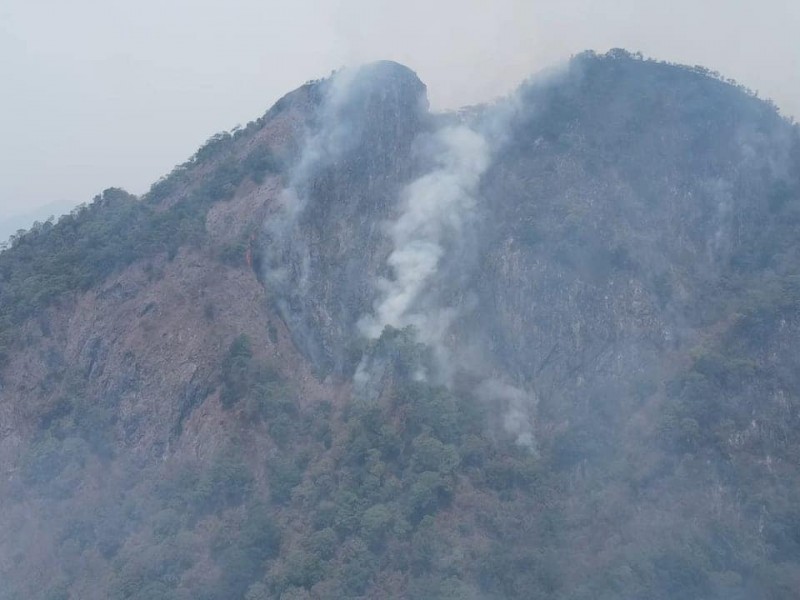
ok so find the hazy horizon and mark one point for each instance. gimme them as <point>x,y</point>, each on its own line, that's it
<point>115,94</point>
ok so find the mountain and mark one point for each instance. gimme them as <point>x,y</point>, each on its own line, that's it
<point>542,348</point>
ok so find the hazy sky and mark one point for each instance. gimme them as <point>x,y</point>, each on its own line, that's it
<point>99,93</point>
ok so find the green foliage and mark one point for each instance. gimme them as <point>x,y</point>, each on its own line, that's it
<point>76,415</point>
<point>236,371</point>
<point>429,454</point>
<point>303,569</point>
<point>284,475</point>
<point>257,591</point>
<point>93,242</point>
<point>397,467</point>
<point>167,523</point>
<point>428,492</point>
<point>227,483</point>
<point>323,543</point>
<point>240,567</point>
<point>260,534</point>
<point>358,567</point>
<point>268,398</point>
<point>376,523</point>
<point>151,574</point>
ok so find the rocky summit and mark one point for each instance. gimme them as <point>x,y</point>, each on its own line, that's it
<point>539,348</point>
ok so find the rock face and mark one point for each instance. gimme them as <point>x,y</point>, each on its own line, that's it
<point>541,348</point>
<point>325,238</point>
<point>617,196</point>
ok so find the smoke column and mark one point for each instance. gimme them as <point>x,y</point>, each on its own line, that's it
<point>436,208</point>
<point>332,138</point>
<point>436,212</point>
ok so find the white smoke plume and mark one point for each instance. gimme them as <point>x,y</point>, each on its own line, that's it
<point>431,239</point>
<point>516,406</point>
<point>436,209</point>
<point>287,265</point>
<point>322,147</point>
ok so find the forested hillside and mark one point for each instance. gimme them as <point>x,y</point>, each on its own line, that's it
<point>543,348</point>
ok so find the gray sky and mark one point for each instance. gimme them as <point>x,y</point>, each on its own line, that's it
<point>99,93</point>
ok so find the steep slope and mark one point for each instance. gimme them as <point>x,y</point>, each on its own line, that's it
<point>542,348</point>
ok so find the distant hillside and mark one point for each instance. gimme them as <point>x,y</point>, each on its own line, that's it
<point>22,220</point>
<point>543,348</point>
